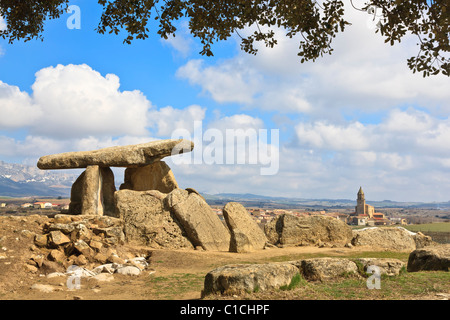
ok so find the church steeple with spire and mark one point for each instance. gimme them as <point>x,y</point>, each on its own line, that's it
<point>361,194</point>
<point>361,207</point>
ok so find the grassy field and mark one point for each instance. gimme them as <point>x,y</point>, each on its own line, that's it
<point>431,227</point>
<point>406,286</point>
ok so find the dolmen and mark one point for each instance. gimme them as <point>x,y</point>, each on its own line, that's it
<point>152,208</point>
<point>93,191</point>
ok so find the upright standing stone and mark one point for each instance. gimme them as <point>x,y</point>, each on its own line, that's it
<point>93,192</point>
<point>246,235</point>
<point>75,206</point>
<point>91,198</point>
<point>108,189</point>
<point>155,176</point>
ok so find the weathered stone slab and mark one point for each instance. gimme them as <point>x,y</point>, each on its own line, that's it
<point>120,156</point>
<point>430,258</point>
<point>147,221</point>
<point>239,278</point>
<point>327,268</point>
<point>155,176</point>
<point>246,235</point>
<point>393,238</point>
<point>387,266</point>
<point>202,225</point>
<point>287,229</point>
<point>57,238</point>
<point>240,242</point>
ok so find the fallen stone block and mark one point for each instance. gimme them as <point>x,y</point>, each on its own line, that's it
<point>148,222</point>
<point>387,266</point>
<point>41,240</point>
<point>57,238</point>
<point>81,247</point>
<point>203,227</point>
<point>322,269</point>
<point>430,258</point>
<point>392,238</point>
<point>241,278</point>
<point>129,271</point>
<point>57,256</point>
<point>287,229</point>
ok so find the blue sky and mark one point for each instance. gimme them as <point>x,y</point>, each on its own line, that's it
<point>356,118</point>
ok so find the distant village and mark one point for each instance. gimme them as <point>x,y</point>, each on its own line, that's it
<point>14,208</point>
<point>363,215</point>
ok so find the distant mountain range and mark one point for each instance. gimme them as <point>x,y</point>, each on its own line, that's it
<point>18,180</point>
<point>250,200</point>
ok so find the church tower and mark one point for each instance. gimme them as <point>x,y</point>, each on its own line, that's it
<point>360,202</point>
<point>362,207</point>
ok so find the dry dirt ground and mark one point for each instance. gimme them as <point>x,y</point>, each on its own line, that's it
<point>172,274</point>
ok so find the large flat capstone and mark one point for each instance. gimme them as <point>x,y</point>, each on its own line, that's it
<point>119,156</point>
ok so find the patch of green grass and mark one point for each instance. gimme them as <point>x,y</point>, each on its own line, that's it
<point>379,254</point>
<point>414,285</point>
<point>402,271</point>
<point>296,281</point>
<point>420,283</point>
<point>300,256</point>
<point>360,268</point>
<point>340,290</point>
<point>406,285</point>
<point>175,285</point>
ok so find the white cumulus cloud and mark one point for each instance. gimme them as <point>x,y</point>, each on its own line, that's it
<point>78,101</point>
<point>17,108</point>
<point>228,82</point>
<point>169,119</point>
<point>74,101</point>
